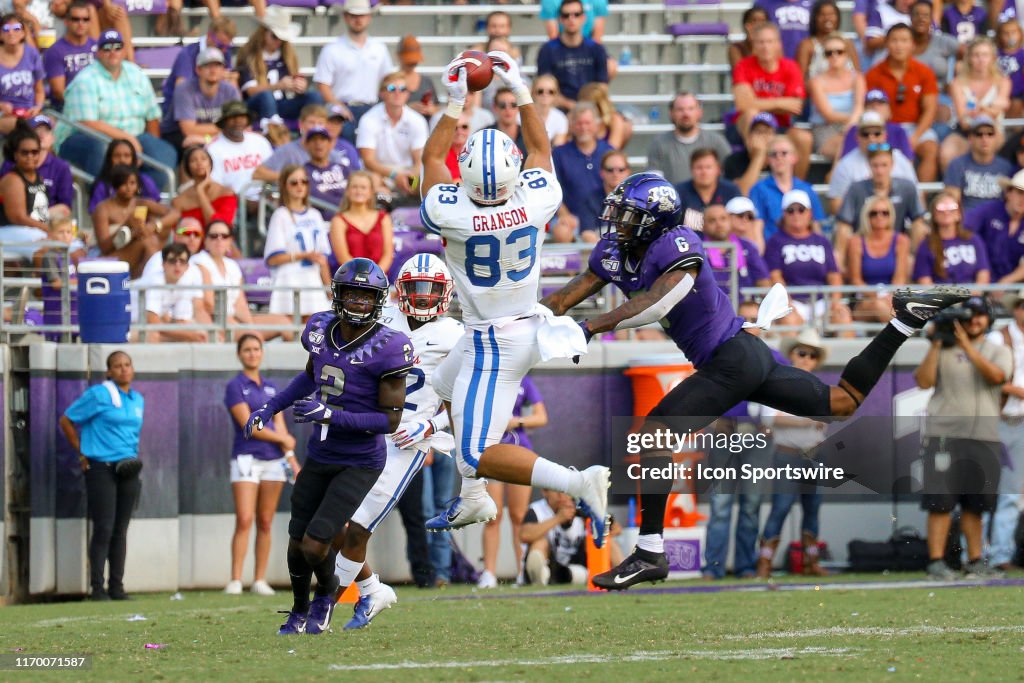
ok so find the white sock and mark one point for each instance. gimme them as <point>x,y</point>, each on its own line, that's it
<point>550,475</point>
<point>370,585</point>
<point>902,327</point>
<point>473,488</point>
<point>652,543</point>
<point>346,570</point>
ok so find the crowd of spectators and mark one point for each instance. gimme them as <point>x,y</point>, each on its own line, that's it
<point>914,96</point>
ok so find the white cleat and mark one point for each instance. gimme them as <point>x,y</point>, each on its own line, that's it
<point>463,512</point>
<point>262,588</point>
<point>370,606</point>
<point>233,588</point>
<point>594,501</point>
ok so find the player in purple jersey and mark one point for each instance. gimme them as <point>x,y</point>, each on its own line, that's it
<point>353,390</point>
<point>659,266</point>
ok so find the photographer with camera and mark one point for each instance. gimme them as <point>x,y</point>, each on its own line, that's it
<point>961,445</point>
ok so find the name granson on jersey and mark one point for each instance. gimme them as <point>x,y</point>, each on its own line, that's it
<point>500,221</point>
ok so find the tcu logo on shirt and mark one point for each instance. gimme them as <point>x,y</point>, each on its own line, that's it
<point>960,253</point>
<point>792,16</point>
<point>16,78</point>
<point>804,253</point>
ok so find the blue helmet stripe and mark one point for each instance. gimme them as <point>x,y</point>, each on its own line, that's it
<point>488,154</point>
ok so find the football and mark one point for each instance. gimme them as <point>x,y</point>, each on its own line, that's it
<point>479,71</point>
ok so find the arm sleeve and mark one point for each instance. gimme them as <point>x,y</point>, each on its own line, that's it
<point>375,422</point>
<point>849,209</point>
<point>979,247</point>
<point>86,406</point>
<point>954,176</point>
<point>830,256</point>
<point>756,267</point>
<point>63,185</point>
<point>276,242</point>
<point>233,395</point>
<point>772,255</point>
<point>366,133</point>
<point>544,60</point>
<point>924,262</point>
<point>183,108</point>
<point>53,64</point>
<point>324,72</point>
<point>301,385</point>
<point>600,63</point>
<point>531,394</point>
<point>816,207</point>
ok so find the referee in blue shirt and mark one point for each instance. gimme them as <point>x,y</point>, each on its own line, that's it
<point>103,426</point>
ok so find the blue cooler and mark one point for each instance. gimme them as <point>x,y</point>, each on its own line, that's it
<point>104,304</point>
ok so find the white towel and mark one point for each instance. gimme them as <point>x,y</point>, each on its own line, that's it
<point>115,395</point>
<point>775,305</point>
<point>440,442</point>
<point>559,336</point>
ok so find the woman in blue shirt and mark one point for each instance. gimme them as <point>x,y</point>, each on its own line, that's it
<point>103,426</point>
<point>258,465</point>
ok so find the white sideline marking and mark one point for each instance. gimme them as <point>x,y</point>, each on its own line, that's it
<point>874,631</point>
<point>45,623</point>
<point>759,653</point>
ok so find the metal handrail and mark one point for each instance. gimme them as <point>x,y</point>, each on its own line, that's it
<point>172,181</point>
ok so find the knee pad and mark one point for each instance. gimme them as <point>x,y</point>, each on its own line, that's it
<point>466,465</point>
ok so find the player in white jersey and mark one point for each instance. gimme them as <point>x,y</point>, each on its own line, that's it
<point>424,288</point>
<point>493,225</point>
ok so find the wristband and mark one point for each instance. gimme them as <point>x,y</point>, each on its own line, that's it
<point>289,455</point>
<point>523,96</point>
<point>454,108</point>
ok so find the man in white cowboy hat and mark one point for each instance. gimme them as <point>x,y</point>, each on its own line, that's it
<point>794,438</point>
<point>349,70</point>
<point>275,87</point>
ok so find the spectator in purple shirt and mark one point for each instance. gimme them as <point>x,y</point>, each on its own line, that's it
<point>751,270</point>
<point>21,75</point>
<point>55,172</point>
<point>258,465</point>
<point>64,59</point>
<point>328,174</point>
<point>951,254</point>
<point>877,101</point>
<point>998,223</point>
<point>964,20</point>
<point>793,17</point>
<point>192,118</point>
<point>1010,44</point>
<point>120,153</point>
<point>798,256</point>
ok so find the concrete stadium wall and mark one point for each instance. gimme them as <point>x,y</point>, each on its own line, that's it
<point>180,536</point>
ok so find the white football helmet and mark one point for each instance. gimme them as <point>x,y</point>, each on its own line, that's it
<point>424,287</point>
<point>489,164</point>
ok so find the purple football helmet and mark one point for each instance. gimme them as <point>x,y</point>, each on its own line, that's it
<point>640,210</point>
<point>364,274</point>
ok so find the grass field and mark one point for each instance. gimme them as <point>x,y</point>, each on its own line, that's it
<point>840,632</point>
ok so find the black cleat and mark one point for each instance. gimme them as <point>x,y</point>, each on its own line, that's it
<point>641,566</point>
<point>915,307</point>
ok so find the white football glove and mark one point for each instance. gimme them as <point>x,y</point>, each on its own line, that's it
<point>507,69</point>
<point>455,82</point>
<point>411,433</point>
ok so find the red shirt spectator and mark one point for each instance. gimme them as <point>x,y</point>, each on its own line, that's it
<point>904,94</point>
<point>770,76</point>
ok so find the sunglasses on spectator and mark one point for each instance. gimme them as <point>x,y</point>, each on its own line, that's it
<point>796,208</point>
<point>177,261</point>
<point>880,147</point>
<point>984,133</point>
<point>298,181</point>
<point>13,27</point>
<point>746,215</point>
<point>615,169</point>
<point>804,353</point>
<point>835,53</point>
<point>190,232</point>
<point>776,153</point>
<point>871,133</point>
<point>218,235</point>
<point>880,212</point>
<point>110,47</point>
<point>396,88</point>
<point>505,105</point>
<point>572,15</point>
<point>78,20</point>
<point>947,206</point>
<point>545,91</point>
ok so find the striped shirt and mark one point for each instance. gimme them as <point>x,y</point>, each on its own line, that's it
<point>125,103</point>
